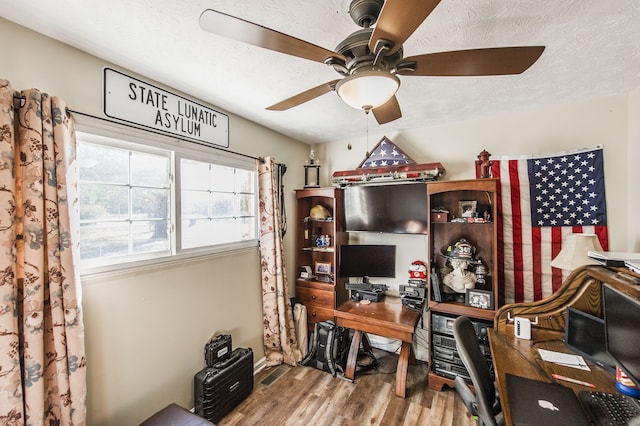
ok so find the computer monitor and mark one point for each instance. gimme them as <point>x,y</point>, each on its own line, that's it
<point>622,324</point>
<point>585,334</point>
<point>363,261</point>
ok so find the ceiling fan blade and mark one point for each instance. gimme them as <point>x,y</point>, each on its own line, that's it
<point>247,32</point>
<point>475,62</point>
<point>398,20</point>
<point>305,96</point>
<point>388,111</point>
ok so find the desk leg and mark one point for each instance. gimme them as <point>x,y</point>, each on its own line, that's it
<point>366,343</point>
<point>353,355</point>
<point>401,372</point>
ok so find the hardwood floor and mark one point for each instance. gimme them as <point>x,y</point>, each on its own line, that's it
<point>288,395</point>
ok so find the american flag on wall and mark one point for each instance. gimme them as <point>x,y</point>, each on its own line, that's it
<point>385,154</point>
<point>542,200</point>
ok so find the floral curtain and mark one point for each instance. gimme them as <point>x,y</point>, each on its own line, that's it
<point>280,344</point>
<point>42,355</point>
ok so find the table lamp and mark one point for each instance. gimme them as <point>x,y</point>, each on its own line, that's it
<point>575,251</point>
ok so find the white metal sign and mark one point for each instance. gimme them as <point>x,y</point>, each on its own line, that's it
<point>134,101</point>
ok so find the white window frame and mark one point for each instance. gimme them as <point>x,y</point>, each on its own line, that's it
<point>229,162</point>
<point>90,130</point>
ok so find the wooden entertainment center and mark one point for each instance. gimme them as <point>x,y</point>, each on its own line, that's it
<point>317,239</point>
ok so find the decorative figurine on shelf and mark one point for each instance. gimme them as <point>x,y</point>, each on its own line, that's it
<point>456,276</point>
<point>483,165</point>
<point>418,270</point>
<point>319,212</point>
<point>312,171</point>
<point>481,272</point>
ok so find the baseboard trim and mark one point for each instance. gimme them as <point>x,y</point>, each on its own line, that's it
<point>259,365</point>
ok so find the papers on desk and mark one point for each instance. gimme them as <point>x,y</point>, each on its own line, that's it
<point>634,266</point>
<point>613,258</point>
<point>569,360</point>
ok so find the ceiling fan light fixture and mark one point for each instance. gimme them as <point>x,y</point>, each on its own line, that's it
<point>368,89</point>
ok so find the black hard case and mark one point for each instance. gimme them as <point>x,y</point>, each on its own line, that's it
<point>217,349</point>
<point>219,389</point>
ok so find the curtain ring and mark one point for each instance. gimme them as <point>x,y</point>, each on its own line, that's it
<point>19,101</point>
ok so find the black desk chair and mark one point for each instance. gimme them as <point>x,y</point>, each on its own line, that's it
<point>485,403</point>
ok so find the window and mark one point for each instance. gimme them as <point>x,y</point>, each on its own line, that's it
<point>217,204</point>
<point>132,210</point>
<point>124,202</point>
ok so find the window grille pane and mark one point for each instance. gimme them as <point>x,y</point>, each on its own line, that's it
<point>101,202</point>
<point>245,181</point>
<point>103,164</point>
<point>222,178</point>
<point>225,230</point>
<point>103,240</point>
<point>246,228</point>
<point>196,233</point>
<point>149,170</point>
<point>195,204</point>
<point>149,236</point>
<point>245,205</point>
<point>194,175</point>
<point>150,203</point>
<point>222,204</point>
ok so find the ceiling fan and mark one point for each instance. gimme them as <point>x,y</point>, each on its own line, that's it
<point>370,59</point>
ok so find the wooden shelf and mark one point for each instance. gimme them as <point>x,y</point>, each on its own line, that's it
<point>482,235</point>
<point>455,308</point>
<point>328,249</point>
<point>320,297</point>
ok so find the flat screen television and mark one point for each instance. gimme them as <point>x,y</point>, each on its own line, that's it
<point>364,261</point>
<point>622,322</point>
<point>398,209</point>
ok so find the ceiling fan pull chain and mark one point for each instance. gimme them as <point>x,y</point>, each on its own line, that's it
<point>349,128</point>
<point>366,115</point>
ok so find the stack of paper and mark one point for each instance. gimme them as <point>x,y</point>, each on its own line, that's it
<point>613,258</point>
<point>634,266</point>
<point>569,360</point>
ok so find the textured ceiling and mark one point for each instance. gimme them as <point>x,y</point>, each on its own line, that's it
<point>592,50</point>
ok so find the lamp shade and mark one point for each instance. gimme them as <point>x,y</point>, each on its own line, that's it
<point>368,89</point>
<point>575,249</point>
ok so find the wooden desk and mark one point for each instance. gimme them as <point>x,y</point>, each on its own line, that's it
<point>388,318</point>
<point>521,358</point>
<point>582,290</point>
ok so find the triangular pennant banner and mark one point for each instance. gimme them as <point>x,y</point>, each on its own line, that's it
<point>385,154</point>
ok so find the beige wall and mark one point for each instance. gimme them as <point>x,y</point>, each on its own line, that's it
<point>145,331</point>
<point>633,163</point>
<point>553,129</point>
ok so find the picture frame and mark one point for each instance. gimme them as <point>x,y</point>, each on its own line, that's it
<point>467,208</point>
<point>482,299</point>
<point>305,272</point>
<point>323,268</point>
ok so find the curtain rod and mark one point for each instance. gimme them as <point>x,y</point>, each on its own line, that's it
<point>19,101</point>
